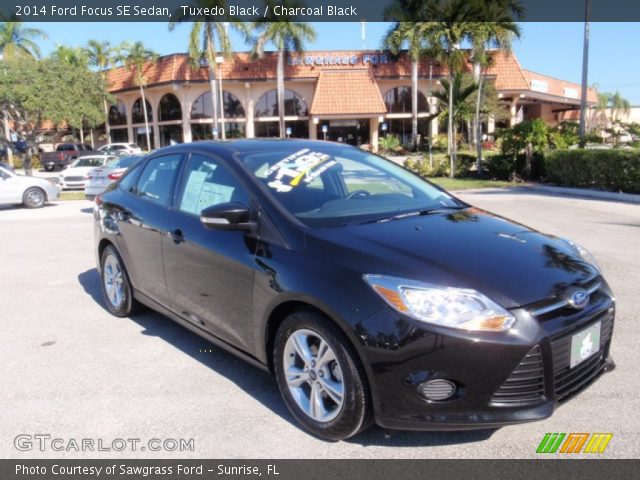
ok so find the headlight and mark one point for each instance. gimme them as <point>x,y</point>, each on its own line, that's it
<point>583,253</point>
<point>464,309</point>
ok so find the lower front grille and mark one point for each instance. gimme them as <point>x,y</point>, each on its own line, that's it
<point>73,179</point>
<point>525,384</point>
<point>569,380</point>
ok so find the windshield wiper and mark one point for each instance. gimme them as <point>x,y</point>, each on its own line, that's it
<point>417,213</point>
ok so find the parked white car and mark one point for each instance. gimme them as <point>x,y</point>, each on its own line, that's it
<point>120,148</point>
<point>100,178</point>
<point>32,192</point>
<point>75,175</point>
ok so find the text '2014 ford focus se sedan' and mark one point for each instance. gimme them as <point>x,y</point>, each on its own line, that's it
<point>372,295</point>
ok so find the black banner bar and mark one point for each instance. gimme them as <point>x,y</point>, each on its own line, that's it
<point>311,10</point>
<point>318,469</point>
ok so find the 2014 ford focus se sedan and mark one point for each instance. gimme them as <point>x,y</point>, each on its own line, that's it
<point>371,294</point>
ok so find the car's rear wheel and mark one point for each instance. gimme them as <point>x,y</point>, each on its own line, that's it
<point>116,287</point>
<point>320,377</point>
<point>49,168</point>
<point>34,197</point>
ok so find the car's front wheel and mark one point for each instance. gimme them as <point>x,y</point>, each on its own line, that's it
<point>34,197</point>
<point>116,287</point>
<point>320,377</point>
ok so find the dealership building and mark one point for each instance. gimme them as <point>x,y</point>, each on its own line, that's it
<point>348,96</point>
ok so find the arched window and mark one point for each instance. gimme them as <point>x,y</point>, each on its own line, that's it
<point>117,114</point>
<point>169,108</point>
<point>294,105</point>
<point>137,113</point>
<point>202,106</point>
<point>398,100</point>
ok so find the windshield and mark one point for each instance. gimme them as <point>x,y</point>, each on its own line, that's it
<point>88,162</point>
<point>331,185</point>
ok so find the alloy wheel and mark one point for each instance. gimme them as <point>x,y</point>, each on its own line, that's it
<point>313,375</point>
<point>113,278</point>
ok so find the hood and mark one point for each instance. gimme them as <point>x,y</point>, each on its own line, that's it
<point>76,171</point>
<point>510,263</point>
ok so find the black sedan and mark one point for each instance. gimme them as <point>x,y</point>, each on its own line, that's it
<point>373,295</point>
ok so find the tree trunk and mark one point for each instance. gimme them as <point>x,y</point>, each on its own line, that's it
<point>107,128</point>
<point>451,130</point>
<point>280,92</point>
<point>7,134</point>
<point>81,133</point>
<point>146,119</point>
<point>478,126</point>
<point>414,104</point>
<point>211,60</point>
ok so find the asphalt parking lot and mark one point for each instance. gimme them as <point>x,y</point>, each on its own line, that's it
<point>71,370</point>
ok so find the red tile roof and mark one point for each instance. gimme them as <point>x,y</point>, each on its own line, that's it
<point>347,92</point>
<point>557,87</point>
<point>506,70</point>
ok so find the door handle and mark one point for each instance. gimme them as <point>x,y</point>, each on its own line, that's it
<point>177,236</point>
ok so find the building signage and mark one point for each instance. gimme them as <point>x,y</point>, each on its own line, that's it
<point>570,92</point>
<point>343,123</point>
<point>338,59</point>
<point>539,85</point>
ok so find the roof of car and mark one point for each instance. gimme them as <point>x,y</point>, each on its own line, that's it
<point>246,145</point>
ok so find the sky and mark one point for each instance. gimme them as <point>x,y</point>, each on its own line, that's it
<point>553,49</point>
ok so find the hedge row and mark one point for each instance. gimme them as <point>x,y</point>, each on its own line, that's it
<point>615,170</point>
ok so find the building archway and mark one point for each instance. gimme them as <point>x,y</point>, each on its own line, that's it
<point>169,108</point>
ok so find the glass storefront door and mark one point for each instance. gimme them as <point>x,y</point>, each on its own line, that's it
<point>351,131</point>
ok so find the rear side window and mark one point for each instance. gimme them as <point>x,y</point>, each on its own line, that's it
<point>65,148</point>
<point>129,180</point>
<point>158,178</point>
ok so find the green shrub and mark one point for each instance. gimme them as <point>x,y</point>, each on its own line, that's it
<point>441,165</point>
<point>616,170</point>
<point>389,143</point>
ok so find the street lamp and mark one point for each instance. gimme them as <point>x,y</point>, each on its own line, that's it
<point>219,62</point>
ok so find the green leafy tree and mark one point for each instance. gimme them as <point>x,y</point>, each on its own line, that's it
<point>139,58</point>
<point>286,36</point>
<point>17,41</point>
<point>530,136</point>
<point>206,39</point>
<point>457,97</point>
<point>50,94</point>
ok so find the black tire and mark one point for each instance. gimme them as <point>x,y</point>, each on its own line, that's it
<point>34,197</point>
<point>127,305</point>
<point>354,415</point>
<point>49,168</point>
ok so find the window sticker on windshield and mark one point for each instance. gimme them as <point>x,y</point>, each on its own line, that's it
<point>301,167</point>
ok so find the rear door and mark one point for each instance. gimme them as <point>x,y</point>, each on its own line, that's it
<point>143,219</point>
<point>210,272</point>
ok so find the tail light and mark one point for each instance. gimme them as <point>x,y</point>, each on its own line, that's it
<point>61,156</point>
<point>115,175</point>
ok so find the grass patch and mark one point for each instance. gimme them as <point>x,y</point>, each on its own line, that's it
<point>469,183</point>
<point>72,195</point>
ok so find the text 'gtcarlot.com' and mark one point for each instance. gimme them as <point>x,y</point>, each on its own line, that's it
<point>44,442</point>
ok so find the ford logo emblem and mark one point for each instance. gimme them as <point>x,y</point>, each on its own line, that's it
<point>578,298</point>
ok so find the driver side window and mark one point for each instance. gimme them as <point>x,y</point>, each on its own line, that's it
<point>208,183</point>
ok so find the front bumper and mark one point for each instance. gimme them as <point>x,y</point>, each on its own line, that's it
<point>501,379</point>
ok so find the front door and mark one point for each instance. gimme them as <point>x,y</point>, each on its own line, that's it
<point>210,272</point>
<point>350,131</point>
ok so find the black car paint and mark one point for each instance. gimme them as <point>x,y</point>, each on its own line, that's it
<point>233,287</point>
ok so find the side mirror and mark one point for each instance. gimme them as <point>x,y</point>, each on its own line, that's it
<point>227,216</point>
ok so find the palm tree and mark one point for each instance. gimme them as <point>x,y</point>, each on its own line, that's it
<point>138,57</point>
<point>287,36</point>
<point>409,33</point>
<point>497,31</point>
<point>444,39</point>
<point>17,41</point>
<point>75,56</point>
<point>457,97</point>
<point>206,40</point>
<point>619,106</point>
<point>101,56</point>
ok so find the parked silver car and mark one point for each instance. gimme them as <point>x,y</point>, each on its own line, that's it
<point>32,192</point>
<point>100,178</point>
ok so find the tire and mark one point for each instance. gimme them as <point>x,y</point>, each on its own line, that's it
<point>115,285</point>
<point>34,197</point>
<point>328,373</point>
<point>49,168</point>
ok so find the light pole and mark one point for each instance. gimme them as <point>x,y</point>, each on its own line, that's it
<point>219,61</point>
<point>585,73</point>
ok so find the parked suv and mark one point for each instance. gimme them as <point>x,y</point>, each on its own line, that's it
<point>373,295</point>
<point>120,148</point>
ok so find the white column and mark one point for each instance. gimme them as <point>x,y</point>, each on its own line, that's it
<point>513,112</point>
<point>313,130</point>
<point>186,121</point>
<point>491,124</point>
<point>248,110</point>
<point>374,123</point>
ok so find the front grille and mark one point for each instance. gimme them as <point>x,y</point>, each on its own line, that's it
<point>526,383</point>
<point>552,307</point>
<point>569,380</point>
<point>73,179</point>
